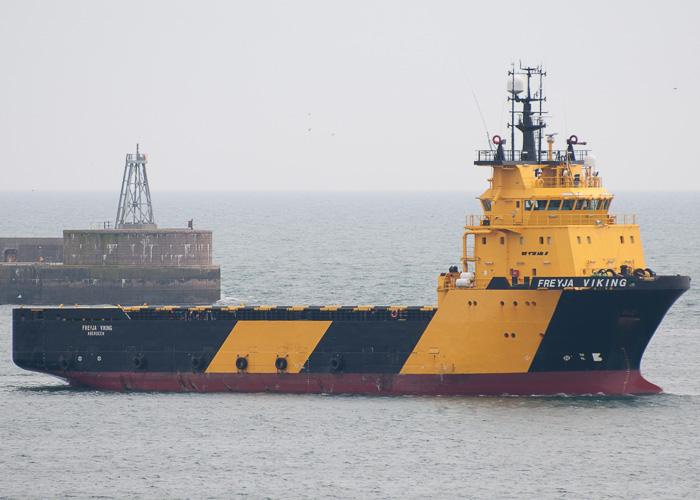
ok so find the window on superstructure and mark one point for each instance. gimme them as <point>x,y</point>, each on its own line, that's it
<point>503,240</point>
<point>487,205</point>
<point>541,240</point>
<point>483,240</point>
<point>578,240</point>
<point>517,204</point>
<point>549,240</point>
<point>568,204</point>
<point>540,204</point>
<point>593,204</point>
<point>588,239</point>
<point>581,205</point>
<point>622,239</point>
<point>606,204</point>
<point>554,204</point>
<point>522,240</point>
<point>632,239</point>
<point>528,204</point>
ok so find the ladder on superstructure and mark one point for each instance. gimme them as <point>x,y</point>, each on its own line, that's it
<point>135,209</point>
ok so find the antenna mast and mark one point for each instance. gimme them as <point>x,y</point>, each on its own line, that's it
<point>135,210</point>
<point>520,84</point>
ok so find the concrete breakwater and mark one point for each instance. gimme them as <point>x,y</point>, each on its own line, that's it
<point>112,266</point>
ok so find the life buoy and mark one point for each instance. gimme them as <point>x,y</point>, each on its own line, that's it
<point>241,363</point>
<point>337,363</point>
<point>496,139</point>
<point>573,140</point>
<point>140,362</point>
<point>281,364</point>
<point>13,257</point>
<point>394,313</point>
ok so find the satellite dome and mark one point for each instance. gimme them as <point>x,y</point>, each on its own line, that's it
<point>516,84</point>
<point>589,161</point>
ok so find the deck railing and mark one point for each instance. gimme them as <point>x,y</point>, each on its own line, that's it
<point>550,219</point>
<point>489,156</point>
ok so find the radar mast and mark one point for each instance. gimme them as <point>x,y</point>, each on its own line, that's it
<point>519,83</point>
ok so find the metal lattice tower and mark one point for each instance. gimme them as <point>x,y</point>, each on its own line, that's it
<point>135,210</point>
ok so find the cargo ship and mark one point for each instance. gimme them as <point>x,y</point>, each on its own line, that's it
<point>553,297</point>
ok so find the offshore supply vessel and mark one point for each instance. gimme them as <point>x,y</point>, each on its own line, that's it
<point>553,296</point>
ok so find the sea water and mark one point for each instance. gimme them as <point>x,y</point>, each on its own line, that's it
<point>351,248</point>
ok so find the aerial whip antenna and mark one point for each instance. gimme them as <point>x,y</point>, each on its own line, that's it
<point>488,136</point>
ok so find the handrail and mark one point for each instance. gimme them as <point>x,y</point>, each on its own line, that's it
<point>551,218</point>
<point>558,156</point>
<point>566,181</point>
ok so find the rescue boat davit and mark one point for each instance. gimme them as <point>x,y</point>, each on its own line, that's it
<point>553,296</point>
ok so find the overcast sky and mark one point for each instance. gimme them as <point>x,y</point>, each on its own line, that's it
<point>337,94</point>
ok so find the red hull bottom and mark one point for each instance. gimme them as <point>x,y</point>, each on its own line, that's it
<point>517,384</point>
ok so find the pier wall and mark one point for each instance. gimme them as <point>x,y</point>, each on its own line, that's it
<point>42,284</point>
<point>31,250</point>
<point>138,247</point>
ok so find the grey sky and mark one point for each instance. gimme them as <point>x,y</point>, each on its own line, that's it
<point>337,95</point>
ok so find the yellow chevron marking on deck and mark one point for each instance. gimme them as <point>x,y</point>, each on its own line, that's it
<point>463,338</point>
<point>261,342</point>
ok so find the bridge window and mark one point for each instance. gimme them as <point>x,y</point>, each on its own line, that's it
<point>606,204</point>
<point>593,204</point>
<point>581,205</point>
<point>528,204</point>
<point>540,204</point>
<point>487,205</point>
<point>568,204</point>
<point>554,204</point>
